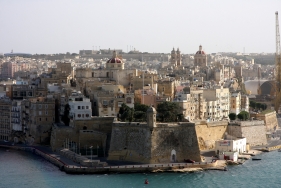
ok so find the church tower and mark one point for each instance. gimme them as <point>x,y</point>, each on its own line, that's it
<point>178,57</point>
<point>173,57</point>
<point>151,117</point>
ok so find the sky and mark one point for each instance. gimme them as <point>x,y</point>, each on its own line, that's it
<point>60,26</point>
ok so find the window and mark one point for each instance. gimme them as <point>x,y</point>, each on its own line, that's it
<point>83,107</point>
<point>104,102</point>
<point>46,119</point>
<point>129,100</point>
<point>40,106</point>
<point>46,113</point>
<point>79,115</point>
<point>39,119</point>
<point>46,106</point>
<point>87,107</point>
<point>87,115</point>
<point>79,107</point>
<point>40,112</point>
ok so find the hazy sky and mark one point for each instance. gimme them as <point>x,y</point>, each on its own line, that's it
<point>60,26</point>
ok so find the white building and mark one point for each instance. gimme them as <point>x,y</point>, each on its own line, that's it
<point>80,107</point>
<point>238,145</point>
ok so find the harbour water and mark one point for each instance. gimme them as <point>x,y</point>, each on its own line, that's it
<point>24,169</point>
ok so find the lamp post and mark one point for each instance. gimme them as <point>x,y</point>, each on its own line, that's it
<point>91,153</point>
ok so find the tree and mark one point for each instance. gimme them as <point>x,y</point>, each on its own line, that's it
<point>243,115</point>
<point>253,104</point>
<point>263,106</point>
<point>258,105</point>
<point>232,116</point>
<point>168,111</point>
<point>65,117</point>
<point>126,113</point>
<point>140,111</point>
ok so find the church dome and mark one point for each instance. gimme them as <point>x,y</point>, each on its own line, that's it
<point>114,58</point>
<point>200,51</point>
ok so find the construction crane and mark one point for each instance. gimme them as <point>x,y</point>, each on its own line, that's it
<point>277,99</point>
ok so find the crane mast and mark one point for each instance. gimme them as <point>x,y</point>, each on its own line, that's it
<point>277,100</point>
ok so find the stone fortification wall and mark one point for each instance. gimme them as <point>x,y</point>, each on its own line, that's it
<point>163,144</point>
<point>209,132</point>
<point>174,143</point>
<point>269,119</point>
<point>130,142</point>
<point>93,132</point>
<point>253,131</point>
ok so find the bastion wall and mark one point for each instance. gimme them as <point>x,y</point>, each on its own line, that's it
<point>209,132</point>
<point>253,131</point>
<point>269,119</point>
<point>137,142</point>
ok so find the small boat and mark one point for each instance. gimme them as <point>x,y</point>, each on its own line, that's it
<point>256,159</point>
<point>146,182</point>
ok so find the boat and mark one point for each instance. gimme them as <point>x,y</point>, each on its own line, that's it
<point>146,181</point>
<point>256,159</point>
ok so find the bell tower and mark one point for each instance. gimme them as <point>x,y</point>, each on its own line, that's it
<point>178,57</point>
<point>173,57</point>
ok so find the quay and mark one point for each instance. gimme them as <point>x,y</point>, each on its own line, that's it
<point>71,167</point>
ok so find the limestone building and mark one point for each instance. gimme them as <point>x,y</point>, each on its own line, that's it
<point>109,99</point>
<point>218,100</point>
<point>235,103</point>
<point>200,58</point>
<point>5,118</point>
<point>113,71</point>
<point>39,115</point>
<point>176,57</point>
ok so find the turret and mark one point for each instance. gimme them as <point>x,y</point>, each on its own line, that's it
<point>151,117</point>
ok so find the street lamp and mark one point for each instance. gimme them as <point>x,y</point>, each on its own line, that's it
<point>91,153</point>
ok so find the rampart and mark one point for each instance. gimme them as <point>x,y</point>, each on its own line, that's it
<point>209,132</point>
<point>269,119</point>
<point>253,131</point>
<point>136,142</point>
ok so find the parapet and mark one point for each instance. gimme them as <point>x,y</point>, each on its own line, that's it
<point>246,123</point>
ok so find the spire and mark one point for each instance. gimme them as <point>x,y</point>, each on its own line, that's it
<point>200,48</point>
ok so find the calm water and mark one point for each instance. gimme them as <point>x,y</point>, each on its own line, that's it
<point>22,169</point>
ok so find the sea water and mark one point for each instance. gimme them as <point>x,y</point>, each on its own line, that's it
<point>22,169</point>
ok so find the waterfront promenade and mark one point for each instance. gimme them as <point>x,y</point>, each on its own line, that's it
<point>69,165</point>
